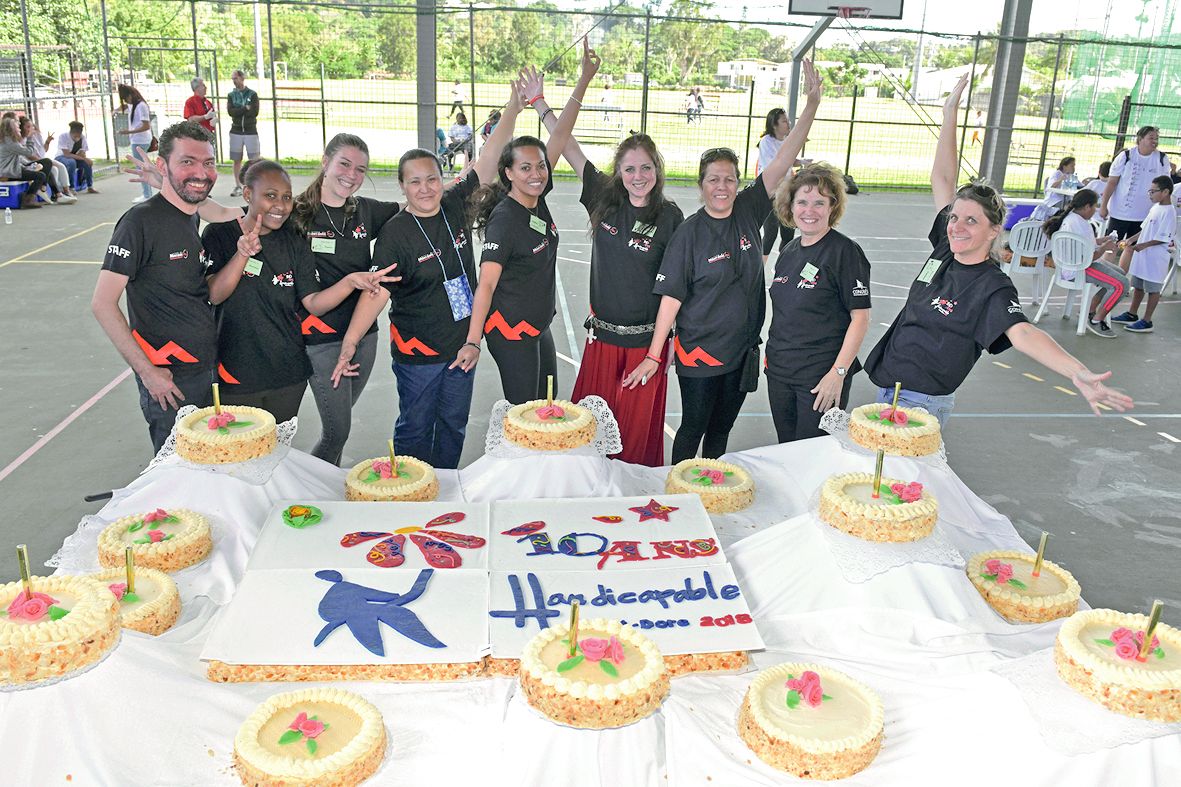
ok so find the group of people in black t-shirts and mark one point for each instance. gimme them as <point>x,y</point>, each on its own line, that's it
<point>297,289</point>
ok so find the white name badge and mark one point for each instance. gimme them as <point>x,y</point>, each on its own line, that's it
<point>324,245</point>
<point>809,272</point>
<point>537,224</point>
<point>253,266</point>
<point>647,230</point>
<point>928,271</point>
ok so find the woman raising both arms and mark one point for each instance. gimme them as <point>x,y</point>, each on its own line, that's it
<point>631,225</point>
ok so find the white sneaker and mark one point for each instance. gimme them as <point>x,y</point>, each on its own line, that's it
<point>66,199</point>
<point>139,199</point>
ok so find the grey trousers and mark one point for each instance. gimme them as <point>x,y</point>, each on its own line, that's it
<point>336,404</point>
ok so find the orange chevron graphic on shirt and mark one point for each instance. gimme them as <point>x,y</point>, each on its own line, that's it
<point>314,324</point>
<point>698,355</point>
<point>409,347</point>
<point>513,334</point>
<point>225,376</point>
<point>162,356</point>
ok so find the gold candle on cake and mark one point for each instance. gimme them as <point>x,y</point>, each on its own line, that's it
<point>573,633</point>
<point>549,390</point>
<point>22,560</point>
<point>1153,619</point>
<point>897,391</point>
<point>877,474</point>
<point>393,462</point>
<point>1041,554</point>
<point>129,562</point>
<point>216,400</point>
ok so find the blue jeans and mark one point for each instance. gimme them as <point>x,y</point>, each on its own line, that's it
<point>938,406</point>
<point>141,152</point>
<point>74,166</point>
<point>433,407</point>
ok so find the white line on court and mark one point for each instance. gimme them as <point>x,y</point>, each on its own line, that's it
<point>1133,420</point>
<point>56,262</point>
<point>571,259</point>
<point>884,284</point>
<point>1169,437</point>
<point>569,360</point>
<point>20,257</point>
<point>566,314</point>
<point>69,419</point>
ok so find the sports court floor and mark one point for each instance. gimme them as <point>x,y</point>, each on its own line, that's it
<point>1107,488</point>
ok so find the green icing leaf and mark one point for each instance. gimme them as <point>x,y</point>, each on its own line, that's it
<point>1106,642</point>
<point>373,476</point>
<point>989,577</point>
<point>608,667</point>
<point>143,540</point>
<point>129,597</point>
<point>825,697</point>
<point>170,535</point>
<point>1017,583</point>
<point>290,736</point>
<point>222,430</point>
<point>889,495</point>
<point>57,613</point>
<point>571,663</point>
<point>1159,653</point>
<point>312,746</point>
<point>729,472</point>
<point>240,424</point>
<point>793,699</point>
<point>3,613</point>
<point>135,527</point>
<point>703,481</point>
<point>171,518</point>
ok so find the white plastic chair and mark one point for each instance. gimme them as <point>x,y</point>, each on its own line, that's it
<point>1026,239</point>
<point>1174,255</point>
<point>1099,225</point>
<point>1073,254</point>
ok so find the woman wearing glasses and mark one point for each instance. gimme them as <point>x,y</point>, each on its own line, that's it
<point>961,303</point>
<point>631,225</point>
<point>711,286</point>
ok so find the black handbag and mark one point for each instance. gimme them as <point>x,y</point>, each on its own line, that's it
<point>749,382</point>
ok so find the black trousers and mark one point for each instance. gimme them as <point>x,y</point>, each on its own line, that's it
<point>196,386</point>
<point>524,365</point>
<point>791,409</point>
<point>772,229</point>
<point>283,403</point>
<point>709,408</point>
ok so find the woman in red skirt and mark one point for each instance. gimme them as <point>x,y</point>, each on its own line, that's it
<point>631,224</point>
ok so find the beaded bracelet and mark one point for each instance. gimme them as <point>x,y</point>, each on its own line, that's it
<point>548,111</point>
<point>472,344</point>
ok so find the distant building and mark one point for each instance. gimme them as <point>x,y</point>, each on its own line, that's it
<point>775,77</point>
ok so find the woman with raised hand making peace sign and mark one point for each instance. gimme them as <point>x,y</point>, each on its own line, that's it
<point>260,269</point>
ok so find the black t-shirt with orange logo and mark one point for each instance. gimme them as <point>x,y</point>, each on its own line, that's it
<point>952,314</point>
<point>156,246</point>
<point>625,258</point>
<point>259,342</point>
<point>714,267</point>
<point>523,303</point>
<point>352,236</point>
<point>422,327</point>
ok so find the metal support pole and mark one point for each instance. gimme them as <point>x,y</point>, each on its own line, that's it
<point>647,49</point>
<point>750,111</point>
<point>471,59</point>
<point>1041,166</point>
<point>809,41</point>
<point>274,90</point>
<point>73,82</point>
<point>1121,134</point>
<point>219,129</point>
<point>968,103</point>
<point>258,41</point>
<point>32,102</point>
<point>852,122</point>
<point>107,84</point>
<point>1006,83</point>
<point>425,30</point>
<point>196,54</point>
<point>323,111</point>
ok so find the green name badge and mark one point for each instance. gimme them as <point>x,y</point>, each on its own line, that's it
<point>809,272</point>
<point>253,266</point>
<point>647,230</point>
<point>537,224</point>
<point>324,245</point>
<point>928,271</point>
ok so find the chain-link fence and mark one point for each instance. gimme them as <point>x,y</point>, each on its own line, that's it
<point>321,68</point>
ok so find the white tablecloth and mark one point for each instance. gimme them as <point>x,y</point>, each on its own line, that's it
<point>919,634</point>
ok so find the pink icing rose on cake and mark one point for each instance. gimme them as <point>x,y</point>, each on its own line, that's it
<point>1128,643</point>
<point>218,421</point>
<point>311,728</point>
<point>550,412</point>
<point>714,476</point>
<point>896,415</point>
<point>119,589</point>
<point>594,648</point>
<point>1127,649</point>
<point>908,493</point>
<point>156,536</point>
<point>1003,571</point>
<point>30,609</point>
<point>808,686</point>
<point>158,515</point>
<point>615,651</point>
<point>382,468</point>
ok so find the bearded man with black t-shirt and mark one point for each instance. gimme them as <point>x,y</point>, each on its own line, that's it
<point>168,337</point>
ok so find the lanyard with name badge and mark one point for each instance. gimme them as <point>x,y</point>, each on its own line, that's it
<point>459,291</point>
<point>328,245</point>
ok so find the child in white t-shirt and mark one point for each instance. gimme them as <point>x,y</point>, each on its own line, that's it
<point>1150,255</point>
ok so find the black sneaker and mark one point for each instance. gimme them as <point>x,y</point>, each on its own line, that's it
<point>1126,317</point>
<point>1101,328</point>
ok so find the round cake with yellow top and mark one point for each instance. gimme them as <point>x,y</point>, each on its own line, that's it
<point>902,511</point>
<point>615,676</point>
<point>811,721</point>
<point>899,431</point>
<point>236,434</point>
<point>1006,581</point>
<point>152,607</point>
<point>722,487</point>
<point>1098,653</point>
<point>322,737</point>
<point>545,426</point>
<point>61,626</point>
<point>167,540</point>
<point>376,480</point>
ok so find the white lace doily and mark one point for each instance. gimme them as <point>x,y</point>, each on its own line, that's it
<point>253,471</point>
<point>836,423</point>
<point>1069,722</point>
<point>607,439</point>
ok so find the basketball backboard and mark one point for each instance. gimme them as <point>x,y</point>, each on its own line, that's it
<point>852,9</point>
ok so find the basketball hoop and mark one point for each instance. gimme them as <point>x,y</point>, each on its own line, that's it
<point>850,11</point>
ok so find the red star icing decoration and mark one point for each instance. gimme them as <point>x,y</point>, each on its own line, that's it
<point>653,510</point>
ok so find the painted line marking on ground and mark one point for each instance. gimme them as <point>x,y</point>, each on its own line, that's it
<point>1066,391</point>
<point>56,262</point>
<point>69,419</point>
<point>1169,437</point>
<point>1133,420</point>
<point>1033,377</point>
<point>884,284</point>
<point>566,316</point>
<point>20,257</point>
<point>571,259</point>
<point>1002,365</point>
<point>884,324</point>
<point>569,360</point>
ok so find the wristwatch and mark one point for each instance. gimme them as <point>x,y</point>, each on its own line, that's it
<point>842,371</point>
